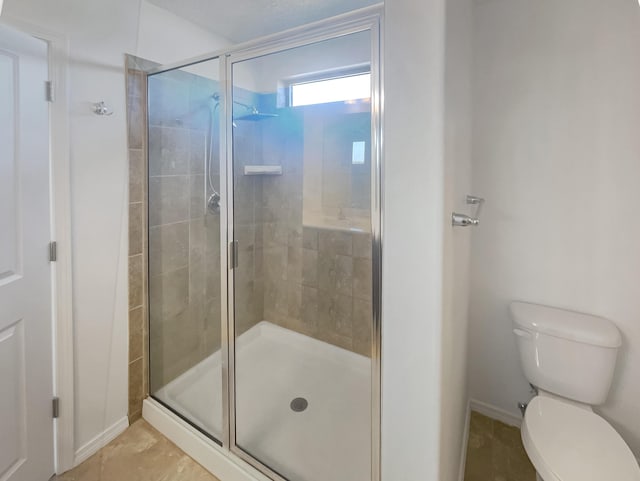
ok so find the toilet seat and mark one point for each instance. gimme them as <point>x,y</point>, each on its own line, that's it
<point>568,443</point>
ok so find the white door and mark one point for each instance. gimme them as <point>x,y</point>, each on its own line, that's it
<point>26,379</point>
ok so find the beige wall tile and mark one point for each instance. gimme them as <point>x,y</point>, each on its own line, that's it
<point>213,328</point>
<point>335,242</point>
<point>135,389</point>
<point>310,267</point>
<point>362,284</point>
<point>197,187</point>
<point>310,238</point>
<point>136,128</point>
<point>335,313</point>
<point>136,124</point>
<point>136,175</point>
<point>168,199</point>
<point>136,333</point>
<point>135,281</point>
<point>168,248</point>
<point>294,300</point>
<point>136,228</point>
<point>362,326</point>
<point>362,246</point>
<point>168,151</point>
<point>309,307</point>
<point>197,153</point>
<point>335,273</point>
<point>275,234</point>
<point>135,85</point>
<point>275,263</point>
<point>168,296</point>
<point>294,264</point>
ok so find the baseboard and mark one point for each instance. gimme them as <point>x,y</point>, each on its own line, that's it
<point>465,442</point>
<point>100,441</point>
<point>218,461</point>
<point>495,413</point>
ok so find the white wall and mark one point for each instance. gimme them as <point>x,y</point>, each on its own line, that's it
<point>165,38</point>
<point>329,55</point>
<point>413,237</point>
<point>556,151</point>
<point>99,33</point>
<point>456,246</point>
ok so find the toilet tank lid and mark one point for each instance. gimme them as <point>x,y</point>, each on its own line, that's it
<point>574,326</point>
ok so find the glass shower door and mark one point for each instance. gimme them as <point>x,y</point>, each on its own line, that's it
<point>302,294</point>
<point>184,274</point>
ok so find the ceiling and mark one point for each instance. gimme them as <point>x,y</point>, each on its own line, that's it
<point>241,20</point>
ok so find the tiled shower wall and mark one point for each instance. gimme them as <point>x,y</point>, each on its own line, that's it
<point>184,238</point>
<point>136,115</point>
<point>248,226</point>
<point>317,281</point>
<point>313,280</point>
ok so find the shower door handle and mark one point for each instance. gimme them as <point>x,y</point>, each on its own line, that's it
<point>233,254</point>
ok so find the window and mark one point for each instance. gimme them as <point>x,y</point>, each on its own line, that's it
<point>337,89</point>
<point>357,152</point>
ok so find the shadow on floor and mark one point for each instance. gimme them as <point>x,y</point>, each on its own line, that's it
<point>139,454</point>
<point>495,452</point>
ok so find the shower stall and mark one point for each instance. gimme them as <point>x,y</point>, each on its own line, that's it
<point>264,250</point>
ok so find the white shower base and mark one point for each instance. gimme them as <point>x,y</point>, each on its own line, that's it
<point>330,440</point>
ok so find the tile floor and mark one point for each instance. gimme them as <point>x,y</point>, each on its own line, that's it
<point>139,454</point>
<point>495,452</point>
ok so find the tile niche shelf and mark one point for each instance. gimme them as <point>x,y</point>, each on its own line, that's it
<point>262,170</point>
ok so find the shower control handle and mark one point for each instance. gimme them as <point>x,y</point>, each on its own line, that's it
<point>463,220</point>
<point>213,203</point>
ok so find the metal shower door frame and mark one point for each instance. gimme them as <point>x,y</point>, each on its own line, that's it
<point>367,20</point>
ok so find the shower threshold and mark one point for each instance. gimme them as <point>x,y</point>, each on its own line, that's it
<point>276,369</point>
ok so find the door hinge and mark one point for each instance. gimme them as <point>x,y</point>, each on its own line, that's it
<point>233,254</point>
<point>53,251</point>
<point>50,94</point>
<point>56,407</point>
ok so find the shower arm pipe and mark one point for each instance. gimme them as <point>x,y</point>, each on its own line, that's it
<point>252,108</point>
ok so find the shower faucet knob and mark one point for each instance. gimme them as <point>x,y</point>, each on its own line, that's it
<point>213,204</point>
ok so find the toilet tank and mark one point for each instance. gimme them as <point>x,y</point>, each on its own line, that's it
<point>567,353</point>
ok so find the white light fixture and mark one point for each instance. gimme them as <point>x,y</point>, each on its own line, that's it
<point>1,1</point>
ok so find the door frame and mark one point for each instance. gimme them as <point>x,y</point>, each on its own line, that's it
<point>60,219</point>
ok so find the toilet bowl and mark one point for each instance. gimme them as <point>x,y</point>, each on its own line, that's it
<point>569,358</point>
<point>567,443</point>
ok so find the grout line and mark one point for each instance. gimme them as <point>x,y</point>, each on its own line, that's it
<point>174,223</point>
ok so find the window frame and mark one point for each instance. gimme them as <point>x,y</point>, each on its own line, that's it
<point>286,85</point>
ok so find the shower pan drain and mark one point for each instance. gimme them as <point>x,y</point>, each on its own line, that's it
<point>299,404</point>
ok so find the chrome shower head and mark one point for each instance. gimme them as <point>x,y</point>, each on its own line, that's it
<point>256,116</point>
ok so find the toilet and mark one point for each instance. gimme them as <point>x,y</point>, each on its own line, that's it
<point>570,358</point>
